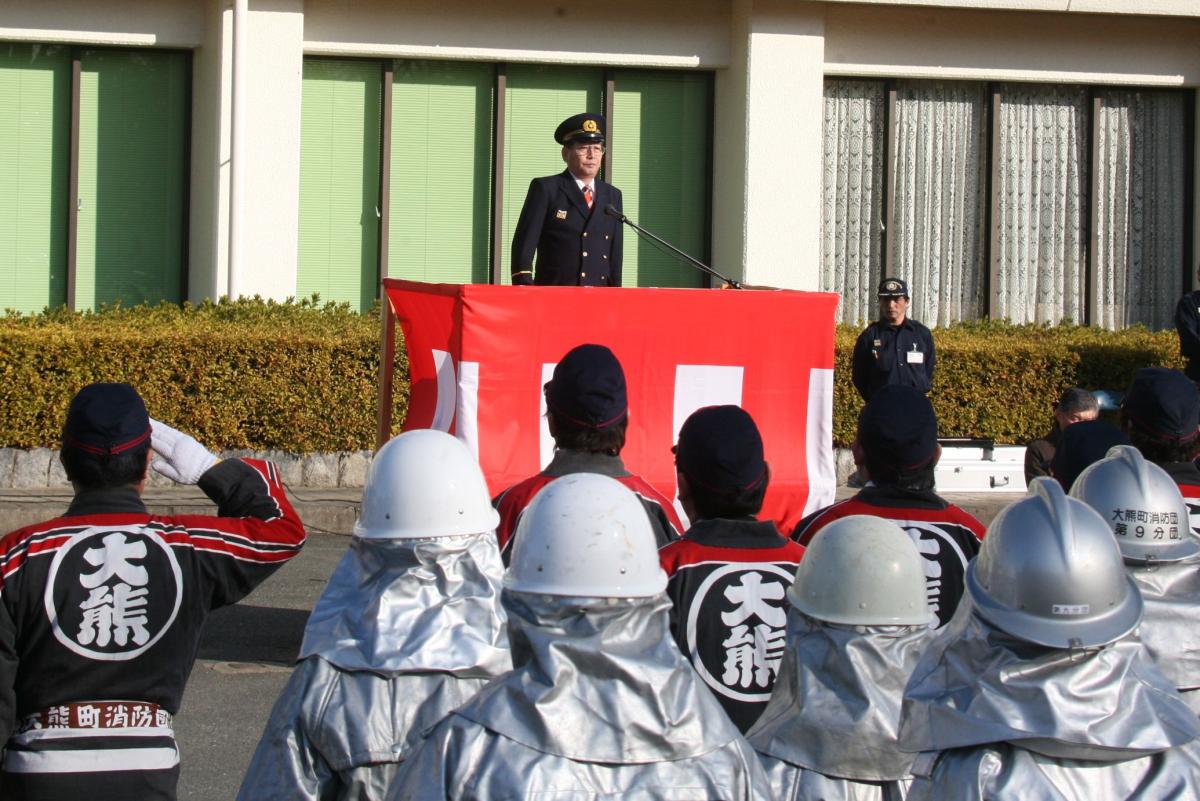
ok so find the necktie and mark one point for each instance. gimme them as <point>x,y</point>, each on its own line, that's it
<point>587,195</point>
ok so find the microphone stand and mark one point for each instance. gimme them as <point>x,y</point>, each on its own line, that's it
<point>613,211</point>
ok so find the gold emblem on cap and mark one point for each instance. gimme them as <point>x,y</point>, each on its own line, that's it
<point>892,286</point>
<point>590,126</point>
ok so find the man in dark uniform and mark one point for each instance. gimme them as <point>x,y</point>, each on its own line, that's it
<point>101,609</point>
<point>563,217</point>
<point>1160,414</point>
<point>894,350</point>
<point>587,411</point>
<point>896,451</point>
<point>728,576</point>
<point>1187,323</point>
<point>1075,406</point>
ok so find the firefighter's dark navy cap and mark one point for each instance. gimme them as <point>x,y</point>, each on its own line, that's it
<point>581,128</point>
<point>106,419</point>
<point>898,427</point>
<point>720,450</point>
<point>1164,404</point>
<point>893,288</point>
<point>588,388</point>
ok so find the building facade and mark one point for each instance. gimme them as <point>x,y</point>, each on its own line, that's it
<point>1027,159</point>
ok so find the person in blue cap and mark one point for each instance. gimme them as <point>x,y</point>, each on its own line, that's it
<point>728,576</point>
<point>1160,414</point>
<point>563,219</point>
<point>895,349</point>
<point>587,411</point>
<point>896,451</point>
<point>101,608</point>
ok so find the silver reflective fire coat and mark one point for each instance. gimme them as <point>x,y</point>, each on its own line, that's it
<point>1170,626</point>
<point>831,728</point>
<point>1014,720</point>
<point>601,705</point>
<point>406,631</point>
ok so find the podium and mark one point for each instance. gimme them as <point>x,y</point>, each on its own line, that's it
<point>479,356</point>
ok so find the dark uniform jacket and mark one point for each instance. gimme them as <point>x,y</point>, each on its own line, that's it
<point>512,502</point>
<point>576,246</point>
<point>1039,454</point>
<point>728,580</point>
<point>886,354</point>
<point>1187,323</point>
<point>129,592</point>
<point>947,536</point>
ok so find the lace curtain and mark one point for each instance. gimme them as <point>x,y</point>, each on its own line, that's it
<point>1042,207</point>
<point>938,213</point>
<point>1140,204</point>
<point>852,196</point>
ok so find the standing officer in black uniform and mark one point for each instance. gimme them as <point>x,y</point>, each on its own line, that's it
<point>1187,323</point>
<point>894,350</point>
<point>563,217</point>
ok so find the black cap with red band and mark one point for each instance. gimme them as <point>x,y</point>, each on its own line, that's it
<point>720,450</point>
<point>588,388</point>
<point>106,419</point>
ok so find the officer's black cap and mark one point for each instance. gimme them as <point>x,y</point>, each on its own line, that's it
<point>588,388</point>
<point>720,450</point>
<point>106,419</point>
<point>581,128</point>
<point>893,288</point>
<point>898,428</point>
<point>1082,444</point>
<point>1163,404</point>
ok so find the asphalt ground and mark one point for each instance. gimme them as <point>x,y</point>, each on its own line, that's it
<point>247,650</point>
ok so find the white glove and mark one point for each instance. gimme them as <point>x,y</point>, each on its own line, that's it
<point>183,459</point>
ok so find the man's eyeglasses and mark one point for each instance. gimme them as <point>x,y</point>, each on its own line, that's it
<point>592,149</point>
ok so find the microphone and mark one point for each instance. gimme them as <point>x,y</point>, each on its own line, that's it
<point>613,211</point>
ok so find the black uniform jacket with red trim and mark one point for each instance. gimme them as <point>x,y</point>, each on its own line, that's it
<point>947,536</point>
<point>728,580</point>
<point>107,601</point>
<point>512,502</point>
<point>1187,478</point>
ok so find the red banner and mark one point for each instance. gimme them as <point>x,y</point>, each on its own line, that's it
<point>479,355</point>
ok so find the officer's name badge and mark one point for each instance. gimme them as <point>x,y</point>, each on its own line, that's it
<point>561,214</point>
<point>915,357</point>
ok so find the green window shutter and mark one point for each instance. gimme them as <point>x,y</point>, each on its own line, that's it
<point>133,166</point>
<point>35,152</point>
<point>439,226</point>
<point>537,99</point>
<point>660,147</point>
<point>339,181</point>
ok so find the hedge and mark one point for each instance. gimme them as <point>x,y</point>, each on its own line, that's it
<point>295,376</point>
<point>302,376</point>
<point>1001,381</point>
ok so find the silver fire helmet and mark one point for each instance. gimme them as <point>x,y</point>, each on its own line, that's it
<point>1049,572</point>
<point>1142,504</point>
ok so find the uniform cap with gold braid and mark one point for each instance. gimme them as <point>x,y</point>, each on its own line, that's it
<point>893,288</point>
<point>581,128</point>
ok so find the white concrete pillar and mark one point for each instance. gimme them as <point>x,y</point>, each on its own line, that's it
<point>767,181</point>
<point>268,238</point>
<point>208,218</point>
